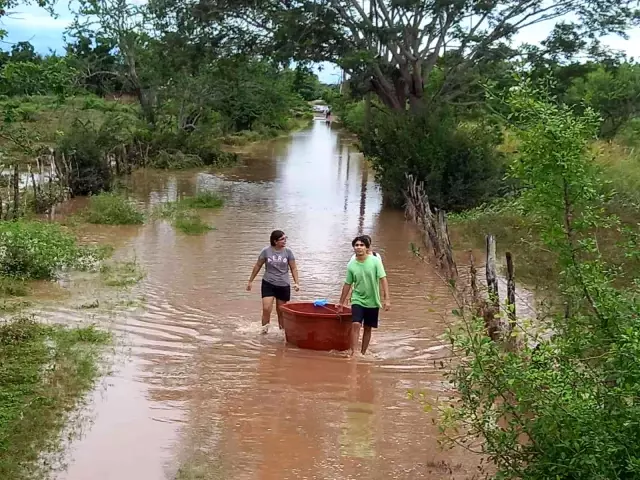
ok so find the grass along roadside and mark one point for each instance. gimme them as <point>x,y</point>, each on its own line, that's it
<point>518,233</point>
<point>45,370</point>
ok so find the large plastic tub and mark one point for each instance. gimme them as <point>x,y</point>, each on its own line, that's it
<point>317,328</point>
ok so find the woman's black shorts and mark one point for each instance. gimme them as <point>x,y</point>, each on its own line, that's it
<point>280,292</point>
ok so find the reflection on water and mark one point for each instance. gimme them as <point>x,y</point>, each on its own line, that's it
<point>203,391</point>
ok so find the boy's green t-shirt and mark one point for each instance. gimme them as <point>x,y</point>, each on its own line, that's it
<point>365,278</point>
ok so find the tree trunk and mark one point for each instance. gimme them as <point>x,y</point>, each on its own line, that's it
<point>147,104</point>
<point>386,94</point>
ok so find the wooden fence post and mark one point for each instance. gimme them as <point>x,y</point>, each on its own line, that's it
<point>490,268</point>
<point>511,292</point>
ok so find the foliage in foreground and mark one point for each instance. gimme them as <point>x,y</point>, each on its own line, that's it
<point>565,403</point>
<point>113,209</point>
<point>44,372</point>
<point>38,251</point>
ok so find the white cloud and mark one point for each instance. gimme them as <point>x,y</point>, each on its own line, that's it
<point>35,22</point>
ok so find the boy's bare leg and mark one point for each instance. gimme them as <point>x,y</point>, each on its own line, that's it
<point>366,338</point>
<point>355,335</point>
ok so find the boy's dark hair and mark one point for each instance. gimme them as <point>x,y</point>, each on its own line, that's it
<point>368,238</point>
<point>275,236</point>
<point>361,238</point>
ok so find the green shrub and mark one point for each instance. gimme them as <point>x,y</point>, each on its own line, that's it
<point>557,398</point>
<point>35,250</point>
<point>113,209</point>
<point>88,171</point>
<point>352,117</point>
<point>207,147</point>
<point>458,164</point>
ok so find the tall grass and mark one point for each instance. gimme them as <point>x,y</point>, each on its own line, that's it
<point>44,372</point>
<point>517,232</point>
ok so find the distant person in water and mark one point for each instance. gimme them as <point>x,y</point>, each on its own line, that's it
<point>366,275</point>
<point>328,117</point>
<point>278,260</point>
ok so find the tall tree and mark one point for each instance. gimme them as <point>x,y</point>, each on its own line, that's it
<point>123,23</point>
<point>394,46</point>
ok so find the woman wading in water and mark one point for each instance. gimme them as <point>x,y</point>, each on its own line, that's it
<point>277,259</point>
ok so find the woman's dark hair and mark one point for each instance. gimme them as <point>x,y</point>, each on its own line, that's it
<point>275,236</point>
<point>361,238</point>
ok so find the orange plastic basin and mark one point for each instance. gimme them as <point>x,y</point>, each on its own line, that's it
<point>317,328</point>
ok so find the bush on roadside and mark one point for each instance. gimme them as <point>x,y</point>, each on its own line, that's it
<point>557,398</point>
<point>459,164</point>
<point>36,250</point>
<point>86,166</point>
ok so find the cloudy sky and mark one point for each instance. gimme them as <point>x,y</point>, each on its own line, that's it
<point>31,23</point>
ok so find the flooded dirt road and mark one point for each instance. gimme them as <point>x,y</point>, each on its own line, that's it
<point>200,394</point>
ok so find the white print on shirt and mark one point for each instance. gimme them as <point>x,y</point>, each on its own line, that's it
<point>277,258</point>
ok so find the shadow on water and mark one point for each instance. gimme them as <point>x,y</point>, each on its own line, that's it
<point>203,392</point>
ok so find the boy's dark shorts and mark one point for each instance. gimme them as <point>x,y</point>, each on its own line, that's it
<point>366,315</point>
<point>280,292</point>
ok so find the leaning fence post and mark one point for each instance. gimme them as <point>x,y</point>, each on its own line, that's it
<point>492,276</point>
<point>511,292</point>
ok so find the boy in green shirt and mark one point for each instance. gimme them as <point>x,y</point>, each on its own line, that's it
<point>366,274</point>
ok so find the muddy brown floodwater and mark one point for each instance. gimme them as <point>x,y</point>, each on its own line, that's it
<point>200,394</point>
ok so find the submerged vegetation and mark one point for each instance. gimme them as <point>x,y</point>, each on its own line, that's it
<point>183,213</point>
<point>202,200</point>
<point>189,222</point>
<point>121,274</point>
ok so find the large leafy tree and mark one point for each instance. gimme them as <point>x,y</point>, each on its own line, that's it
<point>394,46</point>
